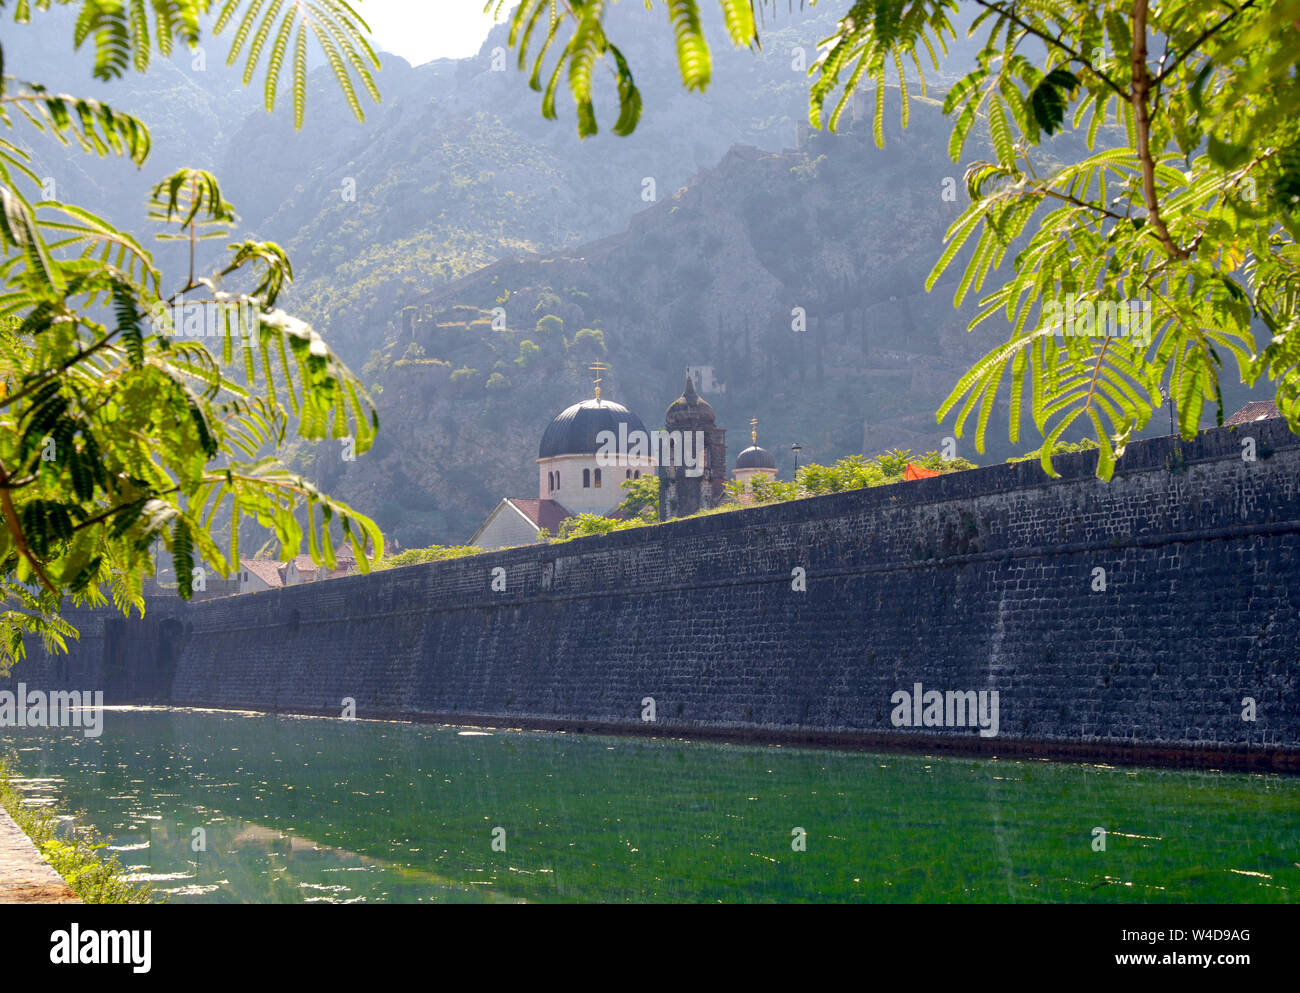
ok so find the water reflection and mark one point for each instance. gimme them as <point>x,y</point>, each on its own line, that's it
<point>311,810</point>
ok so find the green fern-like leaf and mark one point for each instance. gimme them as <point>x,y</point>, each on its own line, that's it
<point>693,57</point>
<point>739,16</point>
<point>336,27</point>
<point>300,76</point>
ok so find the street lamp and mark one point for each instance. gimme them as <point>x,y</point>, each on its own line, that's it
<point>1164,395</point>
<point>796,448</point>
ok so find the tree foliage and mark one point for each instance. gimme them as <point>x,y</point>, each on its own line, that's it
<point>434,553</point>
<point>584,525</point>
<point>852,473</point>
<point>1187,212</point>
<point>119,428</point>
<point>1062,448</point>
<point>126,34</point>
<point>642,498</point>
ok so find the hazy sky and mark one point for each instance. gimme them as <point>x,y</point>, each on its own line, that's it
<point>420,30</point>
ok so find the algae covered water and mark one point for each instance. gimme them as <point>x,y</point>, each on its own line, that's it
<point>232,807</point>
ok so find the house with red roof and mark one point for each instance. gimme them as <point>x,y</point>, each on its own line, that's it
<point>257,575</point>
<point>517,521</point>
<point>1256,410</point>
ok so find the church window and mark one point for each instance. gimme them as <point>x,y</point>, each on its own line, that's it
<point>638,474</point>
<point>597,483</point>
<point>586,479</point>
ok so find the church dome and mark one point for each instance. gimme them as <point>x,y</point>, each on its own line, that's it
<point>755,458</point>
<point>689,410</point>
<point>574,430</point>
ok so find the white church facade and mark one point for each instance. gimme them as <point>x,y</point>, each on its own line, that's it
<point>576,474</point>
<point>580,472</point>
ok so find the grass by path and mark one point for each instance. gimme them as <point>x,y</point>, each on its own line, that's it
<point>77,855</point>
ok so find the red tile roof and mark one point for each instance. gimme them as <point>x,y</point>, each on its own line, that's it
<point>1256,410</point>
<point>265,570</point>
<point>543,513</point>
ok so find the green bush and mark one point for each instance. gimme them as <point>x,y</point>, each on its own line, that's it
<point>464,377</point>
<point>76,853</point>
<point>642,498</point>
<point>550,326</point>
<point>434,553</point>
<point>590,338</point>
<point>1060,448</point>
<point>587,524</point>
<point>528,352</point>
<point>853,473</point>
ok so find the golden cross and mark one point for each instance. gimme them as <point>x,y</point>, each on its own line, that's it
<point>598,367</point>
<point>753,432</point>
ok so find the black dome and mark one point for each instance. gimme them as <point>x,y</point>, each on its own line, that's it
<point>574,431</point>
<point>689,410</point>
<point>755,458</point>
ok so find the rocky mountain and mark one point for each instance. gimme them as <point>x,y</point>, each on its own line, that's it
<point>796,275</point>
<point>475,259</point>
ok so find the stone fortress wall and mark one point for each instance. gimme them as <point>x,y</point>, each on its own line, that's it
<point>800,622</point>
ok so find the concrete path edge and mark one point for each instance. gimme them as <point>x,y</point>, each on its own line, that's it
<point>25,875</point>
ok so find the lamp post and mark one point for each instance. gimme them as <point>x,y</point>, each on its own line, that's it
<point>1167,398</point>
<point>796,448</point>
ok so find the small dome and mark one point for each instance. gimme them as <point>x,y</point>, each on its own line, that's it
<point>754,457</point>
<point>689,410</point>
<point>575,429</point>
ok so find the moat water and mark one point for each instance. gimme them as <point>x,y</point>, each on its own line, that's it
<point>291,810</point>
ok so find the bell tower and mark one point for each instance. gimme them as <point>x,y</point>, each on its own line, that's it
<point>693,458</point>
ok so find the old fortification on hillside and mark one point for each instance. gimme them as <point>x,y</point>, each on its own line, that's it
<point>1149,618</point>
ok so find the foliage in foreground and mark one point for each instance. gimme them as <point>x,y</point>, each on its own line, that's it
<point>118,427</point>
<point>1191,216</point>
<point>76,853</point>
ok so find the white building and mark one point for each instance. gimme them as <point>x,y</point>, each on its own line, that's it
<point>301,569</point>
<point>579,467</point>
<point>515,521</point>
<point>256,575</point>
<point>583,460</point>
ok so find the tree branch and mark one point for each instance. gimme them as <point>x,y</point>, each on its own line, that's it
<point>1142,125</point>
<point>1206,34</point>
<point>113,511</point>
<point>54,373</point>
<point>16,529</point>
<point>1053,43</point>
<point>1080,203</point>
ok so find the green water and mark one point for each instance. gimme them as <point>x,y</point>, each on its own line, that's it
<point>300,810</point>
